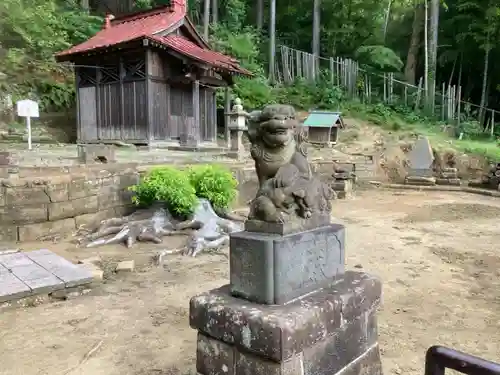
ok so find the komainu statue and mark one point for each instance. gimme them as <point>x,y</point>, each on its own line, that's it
<point>287,187</point>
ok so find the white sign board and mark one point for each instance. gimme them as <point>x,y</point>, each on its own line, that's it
<point>27,108</point>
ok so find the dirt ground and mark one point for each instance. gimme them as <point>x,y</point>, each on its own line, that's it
<point>437,254</point>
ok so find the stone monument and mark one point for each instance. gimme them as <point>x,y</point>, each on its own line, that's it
<point>421,159</point>
<point>290,307</point>
<point>237,126</point>
<point>342,181</point>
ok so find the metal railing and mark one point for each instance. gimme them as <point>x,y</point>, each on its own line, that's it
<point>439,358</point>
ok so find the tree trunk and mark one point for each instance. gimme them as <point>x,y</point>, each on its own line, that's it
<point>260,14</point>
<point>85,4</point>
<point>215,11</point>
<point>411,59</point>
<point>206,19</point>
<point>316,27</point>
<point>386,23</point>
<point>426,52</point>
<point>272,40</point>
<point>485,81</point>
<point>433,46</point>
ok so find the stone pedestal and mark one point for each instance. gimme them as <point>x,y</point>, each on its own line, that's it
<point>274,269</point>
<point>342,187</point>
<point>422,177</point>
<point>290,307</point>
<point>448,176</point>
<point>329,332</point>
<point>98,153</point>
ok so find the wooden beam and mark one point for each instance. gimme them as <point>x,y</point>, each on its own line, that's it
<point>196,110</point>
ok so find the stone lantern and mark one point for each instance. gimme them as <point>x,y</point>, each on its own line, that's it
<point>237,126</point>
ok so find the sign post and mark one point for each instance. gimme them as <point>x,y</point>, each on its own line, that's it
<point>28,109</point>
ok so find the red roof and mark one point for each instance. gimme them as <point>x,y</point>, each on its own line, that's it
<point>147,25</point>
<point>187,48</point>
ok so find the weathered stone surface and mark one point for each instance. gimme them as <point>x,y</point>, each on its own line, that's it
<point>26,214</point>
<point>96,154</point>
<point>8,233</point>
<point>342,186</point>
<point>279,332</point>
<point>249,364</point>
<point>213,357</point>
<point>33,232</point>
<point>19,196</point>
<point>288,227</point>
<point>71,274</point>
<point>369,363</point>
<point>421,156</point>
<point>274,269</point>
<point>11,287</point>
<point>2,196</point>
<point>338,350</point>
<point>72,208</point>
<point>452,175</point>
<point>417,180</point>
<point>450,170</point>
<point>83,187</point>
<point>58,192</point>
<point>448,181</point>
<point>125,266</point>
<point>37,278</point>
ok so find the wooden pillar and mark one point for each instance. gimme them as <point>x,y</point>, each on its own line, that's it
<point>227,110</point>
<point>196,111</point>
<point>78,122</point>
<point>149,96</point>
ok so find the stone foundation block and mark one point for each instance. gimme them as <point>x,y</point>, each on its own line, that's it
<point>327,332</point>
<point>420,180</point>
<point>274,269</point>
<point>448,181</point>
<point>34,232</point>
<point>449,175</point>
<point>96,154</point>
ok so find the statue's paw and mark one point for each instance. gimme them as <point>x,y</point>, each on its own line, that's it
<point>307,214</point>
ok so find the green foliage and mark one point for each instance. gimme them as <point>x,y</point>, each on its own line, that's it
<point>380,58</point>
<point>32,31</point>
<point>179,188</point>
<point>169,185</point>
<point>215,183</point>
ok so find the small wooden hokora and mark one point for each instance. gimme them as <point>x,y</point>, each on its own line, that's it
<point>287,187</point>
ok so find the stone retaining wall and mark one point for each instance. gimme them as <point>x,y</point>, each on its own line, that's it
<point>38,207</point>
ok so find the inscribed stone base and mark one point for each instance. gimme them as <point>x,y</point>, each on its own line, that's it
<point>274,269</point>
<point>329,332</point>
<point>448,181</point>
<point>418,180</point>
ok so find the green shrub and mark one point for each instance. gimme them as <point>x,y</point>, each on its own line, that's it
<point>215,183</point>
<point>169,185</point>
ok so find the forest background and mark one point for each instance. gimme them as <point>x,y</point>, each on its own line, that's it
<point>454,42</point>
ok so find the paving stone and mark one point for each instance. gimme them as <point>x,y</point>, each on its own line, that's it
<point>11,287</point>
<point>69,273</point>
<point>14,260</point>
<point>37,278</point>
<point>125,266</point>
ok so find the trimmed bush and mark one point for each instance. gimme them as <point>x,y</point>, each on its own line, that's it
<point>215,183</point>
<point>169,185</point>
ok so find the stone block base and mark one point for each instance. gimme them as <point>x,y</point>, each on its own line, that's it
<point>274,269</point>
<point>329,332</point>
<point>343,188</point>
<point>418,180</point>
<point>98,153</point>
<point>448,181</point>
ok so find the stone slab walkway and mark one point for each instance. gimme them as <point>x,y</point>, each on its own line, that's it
<point>30,273</point>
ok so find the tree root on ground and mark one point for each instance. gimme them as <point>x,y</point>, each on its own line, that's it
<point>206,229</point>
